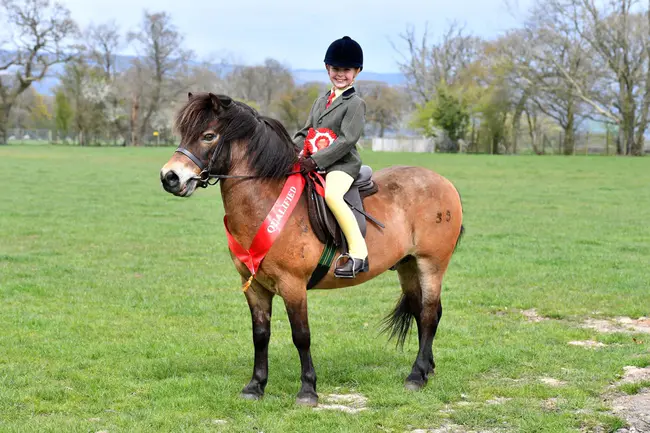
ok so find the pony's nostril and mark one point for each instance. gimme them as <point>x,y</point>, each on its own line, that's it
<point>171,179</point>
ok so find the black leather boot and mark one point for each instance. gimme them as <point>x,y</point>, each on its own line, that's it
<point>351,267</point>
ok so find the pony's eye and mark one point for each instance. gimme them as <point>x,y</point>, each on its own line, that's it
<point>209,137</point>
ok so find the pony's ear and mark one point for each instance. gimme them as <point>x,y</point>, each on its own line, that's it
<point>189,95</point>
<point>220,101</point>
<point>225,100</point>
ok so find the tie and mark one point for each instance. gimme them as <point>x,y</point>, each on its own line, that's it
<point>330,99</point>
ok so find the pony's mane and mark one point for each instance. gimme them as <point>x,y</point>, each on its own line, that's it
<point>270,150</point>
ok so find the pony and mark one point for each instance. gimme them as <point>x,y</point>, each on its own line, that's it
<point>253,156</point>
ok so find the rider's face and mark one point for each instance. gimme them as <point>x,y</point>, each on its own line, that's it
<point>341,77</point>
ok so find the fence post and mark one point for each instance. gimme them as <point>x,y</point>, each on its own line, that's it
<point>587,144</point>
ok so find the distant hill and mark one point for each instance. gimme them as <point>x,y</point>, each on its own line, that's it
<point>301,76</point>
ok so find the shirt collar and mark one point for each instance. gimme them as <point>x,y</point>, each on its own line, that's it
<point>345,91</point>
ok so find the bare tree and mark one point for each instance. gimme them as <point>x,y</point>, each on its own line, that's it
<point>206,78</point>
<point>160,67</point>
<point>261,84</point>
<point>385,104</point>
<point>554,48</point>
<point>534,127</point>
<point>39,37</point>
<point>644,112</point>
<point>512,52</point>
<point>103,43</point>
<point>618,36</point>
<point>426,65</point>
<point>277,79</point>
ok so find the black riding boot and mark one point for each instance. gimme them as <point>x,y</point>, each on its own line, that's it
<point>351,267</point>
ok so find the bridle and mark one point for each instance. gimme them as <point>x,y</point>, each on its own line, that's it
<point>204,177</point>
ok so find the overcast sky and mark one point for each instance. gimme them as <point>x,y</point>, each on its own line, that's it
<point>297,32</point>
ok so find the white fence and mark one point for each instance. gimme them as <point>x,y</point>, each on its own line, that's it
<point>15,135</point>
<point>421,145</point>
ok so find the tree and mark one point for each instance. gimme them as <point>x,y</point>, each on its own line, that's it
<point>40,115</point>
<point>29,111</point>
<point>619,39</point>
<point>512,52</point>
<point>495,108</point>
<point>86,87</point>
<point>276,79</point>
<point>63,113</point>
<point>103,41</point>
<point>293,106</point>
<point>262,83</point>
<point>644,112</point>
<point>385,105</point>
<point>158,70</point>
<point>206,77</point>
<point>553,48</point>
<point>425,66</point>
<point>446,112</point>
<point>40,32</point>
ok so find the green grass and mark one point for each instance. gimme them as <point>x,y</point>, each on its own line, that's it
<point>120,309</point>
<point>634,388</point>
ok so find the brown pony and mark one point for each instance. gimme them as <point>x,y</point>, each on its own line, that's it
<point>253,156</point>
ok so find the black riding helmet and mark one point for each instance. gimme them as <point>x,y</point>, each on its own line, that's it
<point>344,53</point>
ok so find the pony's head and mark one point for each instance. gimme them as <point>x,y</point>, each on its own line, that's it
<point>211,126</point>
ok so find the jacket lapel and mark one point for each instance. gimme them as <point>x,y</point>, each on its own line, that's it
<point>338,101</point>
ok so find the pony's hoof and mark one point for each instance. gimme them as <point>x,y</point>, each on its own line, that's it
<point>310,400</point>
<point>414,386</point>
<point>251,396</point>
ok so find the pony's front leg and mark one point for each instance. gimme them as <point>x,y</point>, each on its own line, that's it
<point>296,304</point>
<point>260,302</point>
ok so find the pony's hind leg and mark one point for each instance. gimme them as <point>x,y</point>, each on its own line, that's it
<point>421,282</point>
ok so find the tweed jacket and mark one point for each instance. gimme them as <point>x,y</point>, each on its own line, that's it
<point>346,116</point>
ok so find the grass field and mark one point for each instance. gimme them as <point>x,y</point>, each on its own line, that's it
<point>120,310</point>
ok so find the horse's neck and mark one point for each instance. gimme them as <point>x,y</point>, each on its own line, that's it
<point>247,202</point>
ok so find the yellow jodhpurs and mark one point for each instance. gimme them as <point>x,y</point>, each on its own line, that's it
<point>337,183</point>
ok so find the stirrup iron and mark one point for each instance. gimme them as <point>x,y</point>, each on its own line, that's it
<point>354,272</point>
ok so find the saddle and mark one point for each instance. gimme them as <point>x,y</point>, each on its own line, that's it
<point>324,224</point>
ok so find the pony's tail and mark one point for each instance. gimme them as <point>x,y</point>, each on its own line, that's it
<point>398,322</point>
<point>462,227</point>
<point>460,235</point>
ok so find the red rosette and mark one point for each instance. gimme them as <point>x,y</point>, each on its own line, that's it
<point>318,139</point>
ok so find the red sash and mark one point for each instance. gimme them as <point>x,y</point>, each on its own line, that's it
<point>271,226</point>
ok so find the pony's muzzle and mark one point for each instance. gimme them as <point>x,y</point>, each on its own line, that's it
<point>170,181</point>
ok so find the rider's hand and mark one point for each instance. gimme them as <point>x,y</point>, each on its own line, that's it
<point>307,164</point>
